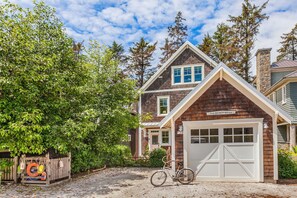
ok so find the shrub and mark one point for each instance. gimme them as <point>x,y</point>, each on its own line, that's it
<point>287,166</point>
<point>119,155</point>
<point>156,157</point>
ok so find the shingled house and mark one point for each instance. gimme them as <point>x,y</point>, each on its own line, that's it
<point>211,119</point>
<point>278,81</point>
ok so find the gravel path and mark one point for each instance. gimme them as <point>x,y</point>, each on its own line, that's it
<point>134,182</point>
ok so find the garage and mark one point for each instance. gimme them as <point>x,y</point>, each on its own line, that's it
<point>224,151</point>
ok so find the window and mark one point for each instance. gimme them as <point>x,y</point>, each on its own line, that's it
<point>129,138</point>
<point>165,137</point>
<point>200,136</point>
<point>155,139</point>
<point>187,74</point>
<point>177,75</point>
<point>284,94</point>
<point>198,73</point>
<point>163,105</point>
<point>236,135</point>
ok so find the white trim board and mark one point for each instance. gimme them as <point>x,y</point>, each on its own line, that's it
<point>236,81</point>
<point>170,90</point>
<point>185,46</point>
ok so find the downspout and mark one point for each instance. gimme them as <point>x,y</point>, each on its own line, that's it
<point>139,130</point>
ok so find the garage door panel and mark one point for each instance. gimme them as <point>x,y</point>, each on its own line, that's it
<point>236,170</point>
<point>206,151</point>
<point>239,152</point>
<point>209,169</point>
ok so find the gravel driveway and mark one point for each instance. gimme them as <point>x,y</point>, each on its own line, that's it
<point>134,182</point>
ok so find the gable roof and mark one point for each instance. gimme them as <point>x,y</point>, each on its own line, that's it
<point>222,71</point>
<point>284,63</point>
<point>291,77</point>
<point>186,45</point>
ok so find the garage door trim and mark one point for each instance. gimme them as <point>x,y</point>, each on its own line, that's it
<point>187,125</point>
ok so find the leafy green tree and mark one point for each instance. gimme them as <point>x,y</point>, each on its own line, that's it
<point>245,28</point>
<point>141,56</point>
<point>288,50</point>
<point>39,78</point>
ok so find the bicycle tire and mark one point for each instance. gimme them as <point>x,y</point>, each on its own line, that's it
<point>161,177</point>
<point>185,173</point>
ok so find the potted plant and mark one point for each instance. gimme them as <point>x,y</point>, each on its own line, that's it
<point>4,164</point>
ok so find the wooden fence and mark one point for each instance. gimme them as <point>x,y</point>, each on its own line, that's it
<point>10,174</point>
<point>54,170</point>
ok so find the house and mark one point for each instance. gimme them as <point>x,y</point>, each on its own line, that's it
<point>211,119</point>
<point>278,81</point>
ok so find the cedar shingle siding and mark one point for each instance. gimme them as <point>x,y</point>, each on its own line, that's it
<point>221,96</point>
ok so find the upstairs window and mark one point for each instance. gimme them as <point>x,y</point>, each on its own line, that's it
<point>284,94</point>
<point>177,75</point>
<point>187,74</point>
<point>198,73</point>
<point>163,105</point>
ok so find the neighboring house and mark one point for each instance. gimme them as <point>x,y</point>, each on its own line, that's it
<point>278,81</point>
<point>211,119</point>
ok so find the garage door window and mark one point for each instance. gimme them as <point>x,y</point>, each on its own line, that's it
<point>238,135</point>
<point>200,136</point>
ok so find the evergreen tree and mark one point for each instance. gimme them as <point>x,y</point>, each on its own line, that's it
<point>177,35</point>
<point>245,28</point>
<point>178,32</point>
<point>167,51</point>
<point>288,49</point>
<point>141,56</point>
<point>118,53</point>
<point>223,45</point>
<point>207,45</point>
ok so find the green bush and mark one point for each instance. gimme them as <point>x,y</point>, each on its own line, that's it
<point>85,159</point>
<point>287,166</point>
<point>156,157</point>
<point>119,155</point>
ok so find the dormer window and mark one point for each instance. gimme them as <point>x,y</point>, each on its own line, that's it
<point>187,74</point>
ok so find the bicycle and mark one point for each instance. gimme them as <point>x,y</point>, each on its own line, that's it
<point>184,175</point>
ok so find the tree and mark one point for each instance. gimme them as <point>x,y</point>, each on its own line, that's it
<point>40,79</point>
<point>177,35</point>
<point>245,28</point>
<point>167,51</point>
<point>288,49</point>
<point>207,45</point>
<point>141,56</point>
<point>118,53</point>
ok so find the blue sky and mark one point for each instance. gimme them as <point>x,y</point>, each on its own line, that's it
<point>125,21</point>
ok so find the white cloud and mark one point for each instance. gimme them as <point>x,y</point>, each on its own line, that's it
<point>126,21</point>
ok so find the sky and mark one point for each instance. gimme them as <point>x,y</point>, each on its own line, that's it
<point>126,21</point>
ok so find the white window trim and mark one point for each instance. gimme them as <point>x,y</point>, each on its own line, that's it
<point>160,136</point>
<point>274,97</point>
<point>158,105</point>
<point>182,73</point>
<point>284,94</point>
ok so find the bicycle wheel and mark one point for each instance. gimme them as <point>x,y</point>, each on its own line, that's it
<point>185,176</point>
<point>158,178</point>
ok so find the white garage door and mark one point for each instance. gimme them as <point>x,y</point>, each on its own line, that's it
<point>224,152</point>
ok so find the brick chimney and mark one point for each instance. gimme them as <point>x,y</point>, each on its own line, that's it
<point>263,79</point>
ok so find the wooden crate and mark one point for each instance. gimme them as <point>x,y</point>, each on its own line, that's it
<point>53,169</point>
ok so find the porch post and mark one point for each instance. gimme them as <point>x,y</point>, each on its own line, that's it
<point>172,144</point>
<point>292,136</point>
